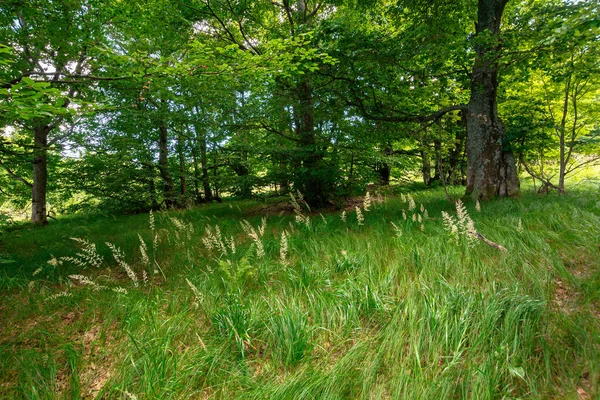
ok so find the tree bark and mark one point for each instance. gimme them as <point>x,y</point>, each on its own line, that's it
<point>383,168</point>
<point>491,170</point>
<point>197,196</point>
<point>426,168</point>
<point>311,181</point>
<point>163,166</point>
<point>201,137</point>
<point>182,177</point>
<point>40,175</point>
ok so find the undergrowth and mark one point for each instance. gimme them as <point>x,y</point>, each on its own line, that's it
<point>395,297</point>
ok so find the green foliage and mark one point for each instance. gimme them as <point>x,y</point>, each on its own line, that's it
<point>355,311</point>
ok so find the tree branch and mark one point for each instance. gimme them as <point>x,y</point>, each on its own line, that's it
<point>14,175</point>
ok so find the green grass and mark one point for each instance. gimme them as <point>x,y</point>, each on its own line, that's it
<point>354,312</point>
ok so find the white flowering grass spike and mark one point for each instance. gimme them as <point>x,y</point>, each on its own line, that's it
<point>263,226</point>
<point>520,226</point>
<point>119,256</point>
<point>367,202</point>
<point>450,225</point>
<point>359,216</point>
<point>143,251</point>
<point>151,221</point>
<point>343,216</point>
<point>397,229</point>
<point>283,250</point>
<point>195,290</point>
<point>411,203</point>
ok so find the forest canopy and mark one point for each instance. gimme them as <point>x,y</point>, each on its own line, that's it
<point>135,105</point>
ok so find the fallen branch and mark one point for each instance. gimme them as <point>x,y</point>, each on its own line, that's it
<point>489,242</point>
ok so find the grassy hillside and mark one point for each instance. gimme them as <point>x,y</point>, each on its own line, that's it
<point>398,307</point>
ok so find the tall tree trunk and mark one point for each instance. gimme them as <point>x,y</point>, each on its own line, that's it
<point>197,196</point>
<point>201,137</point>
<point>40,175</point>
<point>182,178</point>
<point>163,166</point>
<point>311,180</point>
<point>561,135</point>
<point>283,176</point>
<point>491,170</point>
<point>216,180</point>
<point>439,158</point>
<point>426,169</point>
<point>383,168</point>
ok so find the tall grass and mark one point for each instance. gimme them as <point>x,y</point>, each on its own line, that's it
<point>378,301</point>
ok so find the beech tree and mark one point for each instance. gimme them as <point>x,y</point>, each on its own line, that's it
<point>186,102</point>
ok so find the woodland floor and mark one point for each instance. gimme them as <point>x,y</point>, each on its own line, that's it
<point>394,308</point>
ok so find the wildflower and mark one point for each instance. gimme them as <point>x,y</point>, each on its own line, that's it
<point>403,214</point>
<point>478,206</point>
<point>343,216</point>
<point>520,226</point>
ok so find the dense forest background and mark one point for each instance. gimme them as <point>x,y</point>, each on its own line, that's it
<point>127,106</point>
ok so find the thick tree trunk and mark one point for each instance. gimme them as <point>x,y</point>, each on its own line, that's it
<point>243,172</point>
<point>163,166</point>
<point>491,170</point>
<point>40,175</point>
<point>311,180</point>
